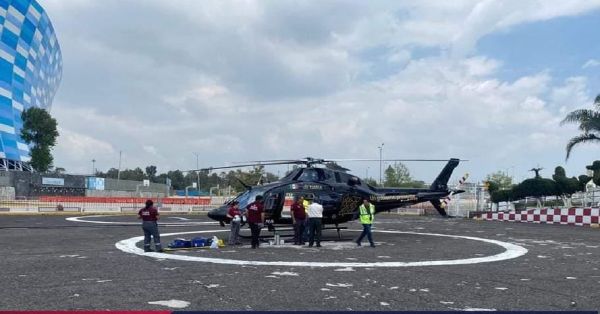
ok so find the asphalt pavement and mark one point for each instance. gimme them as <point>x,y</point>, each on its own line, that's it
<point>49,263</point>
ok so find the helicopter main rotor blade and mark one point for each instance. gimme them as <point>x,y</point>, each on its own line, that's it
<point>240,166</point>
<point>407,160</point>
<point>268,161</point>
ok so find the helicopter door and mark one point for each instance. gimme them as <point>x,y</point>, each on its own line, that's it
<point>274,204</point>
<point>349,204</point>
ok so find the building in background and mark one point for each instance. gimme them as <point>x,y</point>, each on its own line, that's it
<point>30,72</point>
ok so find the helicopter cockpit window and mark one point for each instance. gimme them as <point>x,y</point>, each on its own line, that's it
<point>247,197</point>
<point>309,175</point>
<point>346,178</point>
<point>338,179</point>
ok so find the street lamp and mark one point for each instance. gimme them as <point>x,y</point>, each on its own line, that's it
<point>380,163</point>
<point>93,166</point>
<point>198,172</point>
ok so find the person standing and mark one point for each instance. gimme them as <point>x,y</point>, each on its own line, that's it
<point>149,216</point>
<point>256,217</point>
<point>235,215</point>
<point>367,213</point>
<point>298,219</point>
<point>315,216</point>
<point>304,201</point>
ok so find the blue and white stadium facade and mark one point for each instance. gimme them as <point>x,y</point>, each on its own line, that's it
<point>30,72</point>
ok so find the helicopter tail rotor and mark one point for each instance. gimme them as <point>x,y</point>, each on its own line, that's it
<point>438,205</point>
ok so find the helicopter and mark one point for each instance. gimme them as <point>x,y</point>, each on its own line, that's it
<point>339,192</point>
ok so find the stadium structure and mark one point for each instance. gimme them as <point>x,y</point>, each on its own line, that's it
<point>30,72</point>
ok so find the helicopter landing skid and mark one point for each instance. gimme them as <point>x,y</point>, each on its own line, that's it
<point>272,231</point>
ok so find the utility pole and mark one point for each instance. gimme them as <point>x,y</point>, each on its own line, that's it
<point>380,163</point>
<point>93,167</point>
<point>198,172</point>
<point>119,171</point>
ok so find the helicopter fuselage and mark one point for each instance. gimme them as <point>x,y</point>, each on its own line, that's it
<point>339,192</point>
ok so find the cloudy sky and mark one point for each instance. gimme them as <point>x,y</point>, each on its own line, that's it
<point>487,81</point>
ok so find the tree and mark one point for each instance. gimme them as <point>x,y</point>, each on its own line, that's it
<point>39,129</point>
<point>398,176</point>
<point>566,187</point>
<point>371,182</point>
<point>177,179</point>
<point>501,196</point>
<point>500,180</point>
<point>583,181</point>
<point>589,124</point>
<point>536,187</point>
<point>595,167</point>
<point>151,173</point>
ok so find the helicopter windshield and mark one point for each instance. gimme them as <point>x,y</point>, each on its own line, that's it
<point>247,197</point>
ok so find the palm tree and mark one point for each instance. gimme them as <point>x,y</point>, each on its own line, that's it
<point>589,124</point>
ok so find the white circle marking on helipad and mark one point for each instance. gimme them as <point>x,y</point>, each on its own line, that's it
<point>511,251</point>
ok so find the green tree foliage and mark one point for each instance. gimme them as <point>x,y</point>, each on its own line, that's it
<point>536,187</point>
<point>180,180</point>
<point>371,182</point>
<point>583,181</point>
<point>566,186</point>
<point>595,167</point>
<point>41,159</point>
<point>499,181</point>
<point>589,124</point>
<point>501,196</point>
<point>151,173</point>
<point>39,129</point>
<point>398,175</point>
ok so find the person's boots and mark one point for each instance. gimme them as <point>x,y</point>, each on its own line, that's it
<point>159,248</point>
<point>147,249</point>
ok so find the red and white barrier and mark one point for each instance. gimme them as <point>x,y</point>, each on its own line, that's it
<point>563,216</point>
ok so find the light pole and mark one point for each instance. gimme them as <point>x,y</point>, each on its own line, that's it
<point>198,172</point>
<point>93,167</point>
<point>119,170</point>
<point>367,173</point>
<point>380,163</point>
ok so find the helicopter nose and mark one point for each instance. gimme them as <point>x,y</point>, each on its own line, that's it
<point>216,214</point>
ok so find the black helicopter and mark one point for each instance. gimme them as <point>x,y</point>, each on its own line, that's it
<point>339,192</point>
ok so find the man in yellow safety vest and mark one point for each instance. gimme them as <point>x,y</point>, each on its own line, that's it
<point>366,215</point>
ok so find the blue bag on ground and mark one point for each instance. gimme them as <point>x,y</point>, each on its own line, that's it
<point>180,243</point>
<point>198,242</point>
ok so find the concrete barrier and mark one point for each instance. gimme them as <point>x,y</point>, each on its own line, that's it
<point>563,216</point>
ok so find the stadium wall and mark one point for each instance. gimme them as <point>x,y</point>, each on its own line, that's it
<point>30,73</point>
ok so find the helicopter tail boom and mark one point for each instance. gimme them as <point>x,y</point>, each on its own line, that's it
<point>441,182</point>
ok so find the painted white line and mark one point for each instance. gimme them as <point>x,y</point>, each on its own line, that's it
<point>177,304</point>
<point>511,251</point>
<point>176,224</point>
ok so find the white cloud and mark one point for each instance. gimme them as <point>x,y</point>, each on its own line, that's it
<point>278,79</point>
<point>591,63</point>
<point>74,151</point>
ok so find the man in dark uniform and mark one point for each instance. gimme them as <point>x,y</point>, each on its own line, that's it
<point>256,217</point>
<point>235,215</point>
<point>298,219</point>
<point>149,216</point>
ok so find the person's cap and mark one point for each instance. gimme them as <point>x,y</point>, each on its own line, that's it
<point>234,202</point>
<point>149,203</point>
<point>259,197</point>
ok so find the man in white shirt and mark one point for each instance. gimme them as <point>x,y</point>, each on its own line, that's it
<point>315,215</point>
